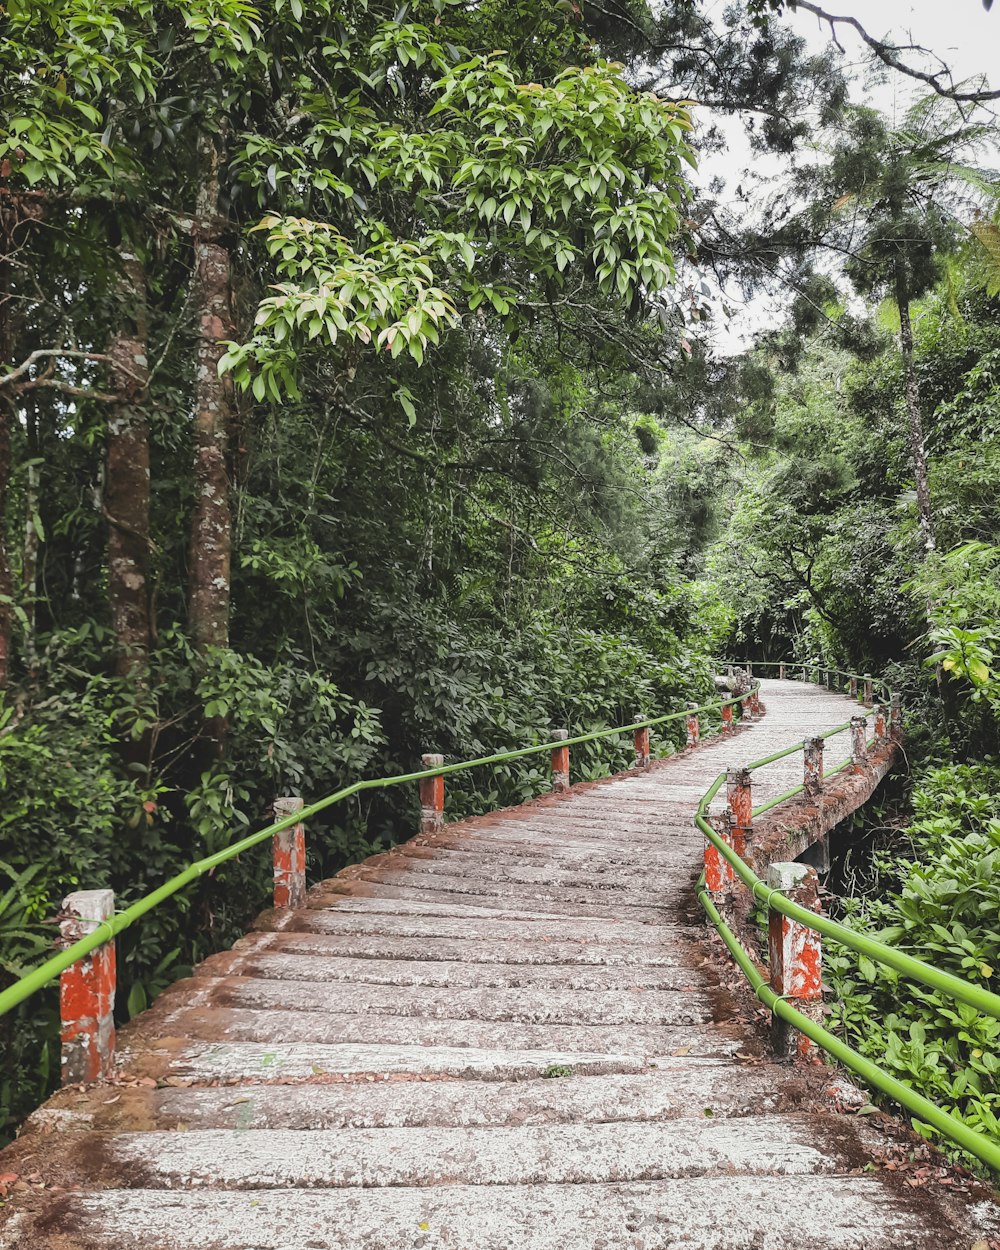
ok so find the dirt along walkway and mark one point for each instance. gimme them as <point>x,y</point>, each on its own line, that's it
<point>512,1034</point>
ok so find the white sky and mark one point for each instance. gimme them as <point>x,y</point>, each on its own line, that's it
<point>960,32</point>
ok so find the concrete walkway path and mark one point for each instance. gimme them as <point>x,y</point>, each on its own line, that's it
<point>513,1035</point>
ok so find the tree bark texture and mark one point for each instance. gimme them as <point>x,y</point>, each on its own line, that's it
<point>6,424</point>
<point>918,455</point>
<point>126,491</point>
<point>211,522</point>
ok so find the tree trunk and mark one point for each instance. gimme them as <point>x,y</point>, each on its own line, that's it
<point>126,491</point>
<point>211,523</point>
<point>32,540</point>
<point>6,423</point>
<point>918,455</point>
<point>6,585</point>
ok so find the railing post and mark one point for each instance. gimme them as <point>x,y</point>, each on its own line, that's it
<point>739,794</point>
<point>805,673</point>
<point>693,730</point>
<point>896,718</point>
<point>781,671</point>
<point>432,796</point>
<point>727,717</point>
<point>560,762</point>
<point>642,746</point>
<point>881,720</point>
<point>812,781</point>
<point>87,991</point>
<point>795,956</point>
<point>719,875</point>
<point>868,688</point>
<point>827,678</point>
<point>859,742</point>
<point>289,846</point>
<point>854,688</point>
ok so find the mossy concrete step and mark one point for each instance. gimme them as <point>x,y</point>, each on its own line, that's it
<point>717,1213</point>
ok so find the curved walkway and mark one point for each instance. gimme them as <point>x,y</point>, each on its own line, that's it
<point>507,1035</point>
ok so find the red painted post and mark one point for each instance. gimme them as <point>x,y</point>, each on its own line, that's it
<point>812,750</point>
<point>641,747</point>
<point>727,717</point>
<point>854,688</point>
<point>880,722</point>
<point>859,743</point>
<point>719,875</point>
<point>431,796</point>
<point>796,956</point>
<point>560,762</point>
<point>289,846</point>
<point>896,718</point>
<point>693,729</point>
<point>739,793</point>
<point>868,688</point>
<point>87,991</point>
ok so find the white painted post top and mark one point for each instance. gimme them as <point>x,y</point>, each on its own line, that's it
<point>786,876</point>
<point>286,807</point>
<point>89,908</point>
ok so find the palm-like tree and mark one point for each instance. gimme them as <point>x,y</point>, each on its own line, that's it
<point>899,197</point>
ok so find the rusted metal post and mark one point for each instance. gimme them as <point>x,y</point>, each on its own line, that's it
<point>812,750</point>
<point>431,796</point>
<point>796,956</point>
<point>781,671</point>
<point>868,688</point>
<point>719,874</point>
<point>289,846</point>
<point>896,718</point>
<point>859,742</point>
<point>739,794</point>
<point>727,717</point>
<point>881,720</point>
<point>642,746</point>
<point>693,729</point>
<point>560,762</point>
<point>87,991</point>
<point>854,688</point>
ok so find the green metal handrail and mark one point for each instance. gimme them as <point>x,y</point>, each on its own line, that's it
<point>40,976</point>
<point>879,952</point>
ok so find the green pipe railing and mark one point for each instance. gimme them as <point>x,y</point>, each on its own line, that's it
<point>914,969</point>
<point>40,976</point>
<point>925,1110</point>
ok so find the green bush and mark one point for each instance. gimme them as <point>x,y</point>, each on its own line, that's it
<point>940,901</point>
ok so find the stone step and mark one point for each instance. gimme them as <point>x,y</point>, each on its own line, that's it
<point>473,853</point>
<point>375,946</point>
<point>555,1154</point>
<point>195,1060</point>
<point>206,1023</point>
<point>638,879</point>
<point>680,953</point>
<point>547,1005</point>
<point>564,929</point>
<point>688,1088</point>
<point>451,974</point>
<point>716,1213</point>
<point>549,903</point>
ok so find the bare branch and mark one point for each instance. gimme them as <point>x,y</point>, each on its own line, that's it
<point>888,54</point>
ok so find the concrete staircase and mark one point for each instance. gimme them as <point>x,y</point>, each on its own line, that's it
<point>512,1034</point>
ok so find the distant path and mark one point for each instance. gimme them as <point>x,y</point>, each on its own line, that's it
<point>508,1036</point>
